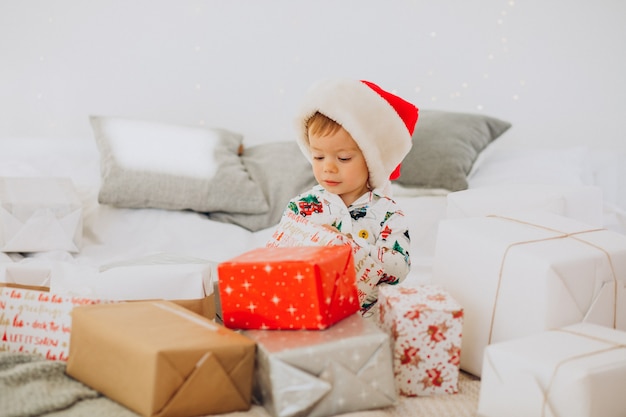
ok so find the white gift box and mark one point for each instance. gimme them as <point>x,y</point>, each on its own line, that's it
<point>583,203</point>
<point>39,214</point>
<point>518,276</point>
<point>28,274</point>
<point>158,276</point>
<point>317,373</point>
<point>425,325</point>
<point>574,371</point>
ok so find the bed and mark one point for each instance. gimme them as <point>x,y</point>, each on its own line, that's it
<point>122,219</point>
<point>161,193</point>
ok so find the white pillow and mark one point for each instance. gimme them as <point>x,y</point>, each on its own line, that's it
<point>566,167</point>
<point>158,165</point>
<point>583,203</point>
<point>175,150</point>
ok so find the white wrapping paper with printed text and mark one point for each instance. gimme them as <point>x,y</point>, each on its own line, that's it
<point>574,371</point>
<point>36,321</point>
<point>425,325</point>
<point>519,276</point>
<point>295,230</point>
<point>316,373</point>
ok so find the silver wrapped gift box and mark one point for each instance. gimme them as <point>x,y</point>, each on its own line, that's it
<point>315,373</point>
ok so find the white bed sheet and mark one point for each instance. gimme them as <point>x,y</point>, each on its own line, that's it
<point>114,234</point>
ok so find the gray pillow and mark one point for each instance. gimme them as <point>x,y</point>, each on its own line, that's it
<point>445,146</point>
<point>147,164</point>
<point>282,172</point>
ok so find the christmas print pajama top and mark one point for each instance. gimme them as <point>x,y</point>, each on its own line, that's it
<point>377,227</point>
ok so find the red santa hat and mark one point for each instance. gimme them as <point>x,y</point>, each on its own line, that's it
<point>381,123</point>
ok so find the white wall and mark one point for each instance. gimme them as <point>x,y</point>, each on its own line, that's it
<point>555,69</point>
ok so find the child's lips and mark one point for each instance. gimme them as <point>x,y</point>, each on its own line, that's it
<point>331,183</point>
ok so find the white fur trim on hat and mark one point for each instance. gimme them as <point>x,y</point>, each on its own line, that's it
<point>372,122</point>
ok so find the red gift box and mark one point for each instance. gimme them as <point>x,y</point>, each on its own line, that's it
<point>306,287</point>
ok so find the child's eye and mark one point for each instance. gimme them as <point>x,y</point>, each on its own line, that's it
<point>318,158</point>
<point>345,159</point>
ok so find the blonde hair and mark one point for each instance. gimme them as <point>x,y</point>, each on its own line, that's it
<point>320,124</point>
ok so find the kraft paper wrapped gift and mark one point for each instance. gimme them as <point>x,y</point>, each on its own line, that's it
<point>518,276</point>
<point>425,325</point>
<point>157,358</point>
<point>306,287</point>
<point>582,203</point>
<point>574,371</point>
<point>40,214</point>
<point>345,368</point>
<point>33,320</point>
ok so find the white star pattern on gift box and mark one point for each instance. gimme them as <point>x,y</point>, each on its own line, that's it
<point>347,367</point>
<point>299,277</point>
<point>289,288</point>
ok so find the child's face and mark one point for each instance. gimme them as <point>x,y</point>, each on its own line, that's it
<point>339,165</point>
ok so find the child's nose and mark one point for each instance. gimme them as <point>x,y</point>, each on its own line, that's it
<point>329,165</point>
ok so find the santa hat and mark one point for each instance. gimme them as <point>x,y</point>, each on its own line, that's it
<point>380,123</point>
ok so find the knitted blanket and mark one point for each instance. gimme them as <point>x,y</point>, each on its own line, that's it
<point>33,386</point>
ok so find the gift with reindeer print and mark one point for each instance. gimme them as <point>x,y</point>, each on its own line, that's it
<point>425,326</point>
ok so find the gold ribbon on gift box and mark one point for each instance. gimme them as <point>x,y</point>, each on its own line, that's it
<point>611,346</point>
<point>560,235</point>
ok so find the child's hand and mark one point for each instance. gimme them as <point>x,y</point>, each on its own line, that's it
<point>334,229</point>
<point>331,228</point>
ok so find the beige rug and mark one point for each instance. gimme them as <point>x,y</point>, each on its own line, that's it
<point>33,386</point>
<point>462,404</point>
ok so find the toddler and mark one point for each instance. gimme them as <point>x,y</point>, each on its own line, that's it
<point>355,135</point>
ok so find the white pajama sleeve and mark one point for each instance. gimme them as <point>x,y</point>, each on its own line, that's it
<point>386,261</point>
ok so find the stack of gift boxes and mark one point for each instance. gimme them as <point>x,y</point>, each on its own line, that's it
<point>543,287</point>
<point>290,335</point>
<point>316,353</point>
<point>528,297</point>
<point>45,214</point>
<point>40,314</point>
<point>37,214</point>
<point>291,338</point>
